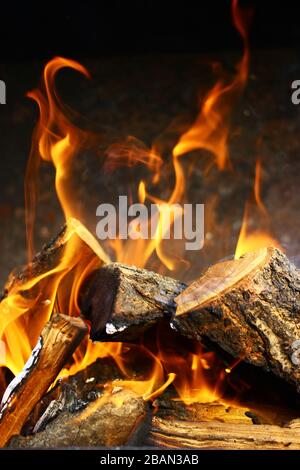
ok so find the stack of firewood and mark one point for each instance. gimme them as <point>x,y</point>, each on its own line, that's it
<point>249,308</point>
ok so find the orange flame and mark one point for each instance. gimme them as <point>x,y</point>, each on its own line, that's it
<point>210,131</point>
<point>55,140</point>
<point>255,239</point>
<point>27,307</point>
<point>191,376</point>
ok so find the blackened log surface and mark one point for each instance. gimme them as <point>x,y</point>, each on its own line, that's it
<point>108,421</point>
<point>122,301</point>
<point>212,411</point>
<point>257,319</point>
<point>74,392</point>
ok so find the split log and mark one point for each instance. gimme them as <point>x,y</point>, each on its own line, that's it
<point>111,420</point>
<point>173,433</point>
<point>250,307</point>
<point>59,339</point>
<point>121,301</point>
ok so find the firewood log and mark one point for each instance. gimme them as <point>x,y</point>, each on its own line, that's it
<point>174,433</point>
<point>50,254</point>
<point>212,411</point>
<point>59,339</point>
<point>111,420</point>
<point>121,301</point>
<point>73,392</point>
<point>250,307</point>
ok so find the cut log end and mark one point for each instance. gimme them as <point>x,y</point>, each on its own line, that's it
<point>250,307</point>
<point>220,277</point>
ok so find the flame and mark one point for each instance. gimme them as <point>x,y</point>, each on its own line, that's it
<point>255,239</point>
<point>257,187</point>
<point>210,131</point>
<point>27,307</point>
<point>56,140</point>
<point>148,387</point>
<point>197,374</point>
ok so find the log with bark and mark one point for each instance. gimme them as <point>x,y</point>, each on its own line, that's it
<point>122,301</point>
<point>114,419</point>
<point>250,307</point>
<point>211,411</point>
<point>73,393</point>
<point>59,339</point>
<point>49,256</point>
<point>174,433</point>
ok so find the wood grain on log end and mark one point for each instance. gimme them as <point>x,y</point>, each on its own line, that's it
<point>251,308</point>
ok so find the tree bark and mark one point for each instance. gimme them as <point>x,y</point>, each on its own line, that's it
<point>73,393</point>
<point>111,420</point>
<point>59,339</point>
<point>251,308</point>
<point>121,301</point>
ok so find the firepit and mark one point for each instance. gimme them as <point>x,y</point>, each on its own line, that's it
<point>120,337</point>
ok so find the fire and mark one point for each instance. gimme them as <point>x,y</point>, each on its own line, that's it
<point>255,239</point>
<point>27,306</point>
<point>196,375</point>
<point>210,130</point>
<point>55,140</point>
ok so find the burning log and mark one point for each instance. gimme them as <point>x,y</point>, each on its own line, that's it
<point>59,339</point>
<point>51,253</point>
<point>123,301</point>
<point>250,307</point>
<point>43,261</point>
<point>212,411</point>
<point>178,434</point>
<point>72,393</point>
<point>111,420</point>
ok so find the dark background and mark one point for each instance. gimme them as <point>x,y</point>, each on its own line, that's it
<point>39,30</point>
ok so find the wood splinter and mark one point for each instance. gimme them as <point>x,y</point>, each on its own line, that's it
<point>59,339</point>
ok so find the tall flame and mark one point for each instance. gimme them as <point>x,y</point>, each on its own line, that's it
<point>254,239</point>
<point>210,130</point>
<point>55,140</point>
